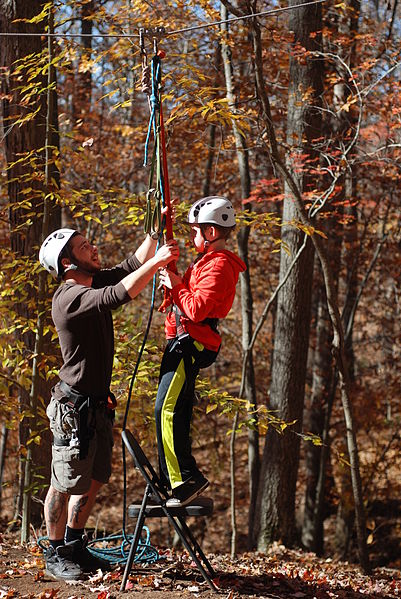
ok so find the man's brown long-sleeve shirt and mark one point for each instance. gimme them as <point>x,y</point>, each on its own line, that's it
<point>83,320</point>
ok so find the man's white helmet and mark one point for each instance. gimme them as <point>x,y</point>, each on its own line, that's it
<point>213,210</point>
<point>51,249</point>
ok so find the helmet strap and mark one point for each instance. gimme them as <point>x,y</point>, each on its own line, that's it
<point>70,267</point>
<point>75,267</point>
<point>207,242</point>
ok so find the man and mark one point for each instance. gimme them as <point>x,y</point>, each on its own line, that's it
<point>81,409</point>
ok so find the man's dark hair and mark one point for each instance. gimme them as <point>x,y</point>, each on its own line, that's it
<point>65,253</point>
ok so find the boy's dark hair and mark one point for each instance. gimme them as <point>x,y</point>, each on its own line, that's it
<point>224,232</point>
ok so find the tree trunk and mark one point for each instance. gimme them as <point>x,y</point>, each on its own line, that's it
<point>318,414</point>
<point>276,501</point>
<point>83,78</point>
<point>347,25</point>
<point>212,129</point>
<point>25,230</point>
<point>312,536</point>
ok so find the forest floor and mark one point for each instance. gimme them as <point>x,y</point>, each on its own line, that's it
<point>281,573</point>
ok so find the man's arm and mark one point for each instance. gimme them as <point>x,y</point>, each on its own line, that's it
<point>148,247</point>
<point>146,250</point>
<point>137,280</point>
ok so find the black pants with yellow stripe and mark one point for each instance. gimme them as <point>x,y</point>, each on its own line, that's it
<point>182,360</point>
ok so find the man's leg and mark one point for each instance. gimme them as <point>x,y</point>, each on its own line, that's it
<point>56,504</point>
<point>79,510</point>
<point>80,506</point>
<point>59,559</point>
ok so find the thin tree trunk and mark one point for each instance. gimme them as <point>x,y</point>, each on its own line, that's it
<point>312,532</point>
<point>83,79</point>
<point>3,448</point>
<point>212,129</point>
<point>347,24</point>
<point>248,385</point>
<point>322,396</point>
<point>42,291</point>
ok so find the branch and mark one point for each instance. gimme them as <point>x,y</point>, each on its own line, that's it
<point>265,312</point>
<point>390,30</point>
<point>375,256</point>
<point>369,88</point>
<point>320,202</point>
<point>232,9</point>
<point>12,381</point>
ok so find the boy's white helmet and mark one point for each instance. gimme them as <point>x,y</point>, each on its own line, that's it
<point>213,210</point>
<point>51,249</point>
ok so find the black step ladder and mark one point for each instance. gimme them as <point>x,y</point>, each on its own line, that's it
<point>202,506</point>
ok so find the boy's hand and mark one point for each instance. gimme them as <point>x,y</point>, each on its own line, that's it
<point>169,278</point>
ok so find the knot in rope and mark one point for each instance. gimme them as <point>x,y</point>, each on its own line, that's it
<point>155,76</point>
<point>146,85</point>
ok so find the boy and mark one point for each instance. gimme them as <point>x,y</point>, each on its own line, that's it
<point>201,297</point>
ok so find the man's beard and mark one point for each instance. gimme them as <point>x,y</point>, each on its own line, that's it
<point>88,269</point>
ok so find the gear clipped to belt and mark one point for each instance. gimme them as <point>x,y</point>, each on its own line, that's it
<point>84,430</point>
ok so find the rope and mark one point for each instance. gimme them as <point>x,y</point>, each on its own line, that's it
<point>161,190</point>
<point>155,124</point>
<point>146,553</point>
<point>265,13</point>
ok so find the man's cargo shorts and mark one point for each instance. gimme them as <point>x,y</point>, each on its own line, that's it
<point>69,473</point>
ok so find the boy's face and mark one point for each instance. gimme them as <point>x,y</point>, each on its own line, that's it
<point>197,238</point>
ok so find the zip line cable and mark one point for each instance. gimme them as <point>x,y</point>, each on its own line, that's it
<point>265,13</point>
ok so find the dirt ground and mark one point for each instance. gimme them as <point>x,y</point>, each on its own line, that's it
<point>279,574</point>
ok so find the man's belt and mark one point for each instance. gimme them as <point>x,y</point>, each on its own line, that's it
<point>59,442</point>
<point>78,399</point>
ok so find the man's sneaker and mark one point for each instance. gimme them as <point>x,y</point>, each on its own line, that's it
<point>60,564</point>
<point>88,561</point>
<point>185,493</point>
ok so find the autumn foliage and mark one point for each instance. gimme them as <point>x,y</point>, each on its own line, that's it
<point>89,173</point>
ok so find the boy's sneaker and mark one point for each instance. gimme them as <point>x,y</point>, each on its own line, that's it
<point>185,493</point>
<point>60,564</point>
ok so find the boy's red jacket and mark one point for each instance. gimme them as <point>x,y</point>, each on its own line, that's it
<point>207,291</point>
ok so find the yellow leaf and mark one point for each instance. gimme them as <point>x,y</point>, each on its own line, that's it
<point>347,105</point>
<point>41,16</point>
